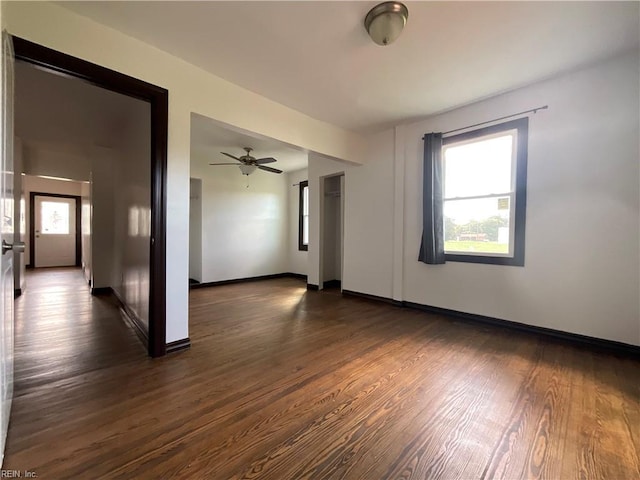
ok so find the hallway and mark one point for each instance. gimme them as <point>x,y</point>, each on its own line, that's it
<point>68,347</point>
<point>62,332</point>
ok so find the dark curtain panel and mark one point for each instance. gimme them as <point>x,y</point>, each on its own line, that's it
<point>432,246</point>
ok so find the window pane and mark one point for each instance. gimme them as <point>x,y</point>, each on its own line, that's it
<point>54,217</point>
<point>477,226</point>
<point>303,222</point>
<point>305,201</point>
<point>482,167</point>
<point>305,230</point>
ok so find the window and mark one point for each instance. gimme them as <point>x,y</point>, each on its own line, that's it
<point>55,218</point>
<point>485,194</point>
<point>303,222</point>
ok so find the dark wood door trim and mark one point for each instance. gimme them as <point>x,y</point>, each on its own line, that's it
<point>32,224</point>
<point>158,97</point>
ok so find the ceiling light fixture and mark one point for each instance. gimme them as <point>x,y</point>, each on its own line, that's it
<point>247,169</point>
<point>384,22</point>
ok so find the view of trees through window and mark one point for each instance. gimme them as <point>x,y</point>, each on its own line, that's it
<point>487,235</point>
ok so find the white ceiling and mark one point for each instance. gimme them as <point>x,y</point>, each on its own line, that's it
<point>55,109</point>
<point>208,139</point>
<point>316,57</point>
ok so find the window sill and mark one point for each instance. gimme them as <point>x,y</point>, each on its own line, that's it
<point>516,261</point>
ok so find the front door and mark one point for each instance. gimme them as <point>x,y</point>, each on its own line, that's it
<point>55,231</point>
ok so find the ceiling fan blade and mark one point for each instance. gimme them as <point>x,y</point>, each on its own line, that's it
<point>229,155</point>
<point>235,164</point>
<point>269,169</point>
<point>260,161</point>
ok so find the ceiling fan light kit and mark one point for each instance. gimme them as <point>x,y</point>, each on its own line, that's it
<point>248,169</point>
<point>385,21</point>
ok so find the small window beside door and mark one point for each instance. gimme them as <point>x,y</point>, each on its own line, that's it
<point>303,220</point>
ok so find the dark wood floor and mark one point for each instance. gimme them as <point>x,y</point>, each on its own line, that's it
<point>281,383</point>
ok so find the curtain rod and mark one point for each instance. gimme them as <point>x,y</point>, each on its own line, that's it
<point>532,110</point>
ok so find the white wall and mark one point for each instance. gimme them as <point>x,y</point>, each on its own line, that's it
<point>40,96</point>
<point>191,90</point>
<point>195,229</point>
<point>368,220</point>
<point>266,213</point>
<point>85,223</point>
<point>56,160</point>
<point>44,185</point>
<point>244,230</point>
<point>368,217</point>
<point>103,161</point>
<point>132,212</point>
<point>581,262</point>
<point>297,258</point>
<point>581,272</point>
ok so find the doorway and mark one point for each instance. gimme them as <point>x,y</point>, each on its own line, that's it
<point>195,231</point>
<point>157,98</point>
<point>55,230</point>
<point>332,234</point>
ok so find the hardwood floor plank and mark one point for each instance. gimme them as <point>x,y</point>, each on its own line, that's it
<point>447,423</point>
<point>282,383</point>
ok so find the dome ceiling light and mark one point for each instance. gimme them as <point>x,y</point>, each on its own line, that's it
<point>384,22</point>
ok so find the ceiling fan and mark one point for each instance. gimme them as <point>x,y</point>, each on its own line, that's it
<point>249,164</point>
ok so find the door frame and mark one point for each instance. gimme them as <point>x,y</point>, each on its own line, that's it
<point>32,225</point>
<point>158,97</point>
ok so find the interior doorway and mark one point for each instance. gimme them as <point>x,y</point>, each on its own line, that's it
<point>153,239</point>
<point>55,230</point>
<point>332,234</point>
<point>195,231</point>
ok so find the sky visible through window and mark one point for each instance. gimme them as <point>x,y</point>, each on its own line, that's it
<point>475,169</point>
